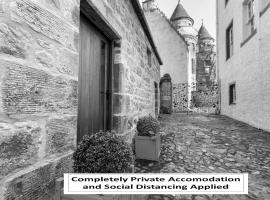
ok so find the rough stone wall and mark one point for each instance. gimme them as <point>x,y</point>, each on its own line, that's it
<point>205,100</point>
<point>180,97</point>
<point>134,79</point>
<point>172,47</point>
<point>248,67</point>
<point>39,64</point>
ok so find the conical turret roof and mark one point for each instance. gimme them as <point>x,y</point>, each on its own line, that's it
<point>204,34</point>
<point>180,13</point>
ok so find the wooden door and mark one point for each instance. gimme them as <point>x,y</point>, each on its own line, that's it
<point>94,79</point>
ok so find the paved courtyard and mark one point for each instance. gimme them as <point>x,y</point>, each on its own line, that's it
<point>211,143</point>
<point>208,144</point>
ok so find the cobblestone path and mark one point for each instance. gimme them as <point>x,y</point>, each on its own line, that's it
<point>208,144</point>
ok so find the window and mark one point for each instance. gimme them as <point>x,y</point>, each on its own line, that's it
<point>229,41</point>
<point>149,58</point>
<point>232,94</point>
<point>249,29</point>
<point>248,18</point>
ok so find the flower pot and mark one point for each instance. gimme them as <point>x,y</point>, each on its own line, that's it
<point>147,148</point>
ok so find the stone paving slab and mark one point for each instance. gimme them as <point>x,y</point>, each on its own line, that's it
<point>213,144</point>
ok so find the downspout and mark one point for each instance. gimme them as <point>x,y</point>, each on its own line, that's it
<point>217,62</point>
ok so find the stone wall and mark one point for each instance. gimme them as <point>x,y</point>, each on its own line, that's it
<point>180,97</point>
<point>248,67</point>
<point>135,80</point>
<point>205,99</point>
<point>39,64</point>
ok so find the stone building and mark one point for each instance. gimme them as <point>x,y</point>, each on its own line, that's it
<point>243,60</point>
<point>181,50</point>
<point>68,68</point>
<point>173,49</point>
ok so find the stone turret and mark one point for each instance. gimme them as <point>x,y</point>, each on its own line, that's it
<point>205,41</point>
<point>206,59</point>
<point>149,5</point>
<point>184,24</point>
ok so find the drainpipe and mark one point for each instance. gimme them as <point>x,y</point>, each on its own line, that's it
<point>217,62</point>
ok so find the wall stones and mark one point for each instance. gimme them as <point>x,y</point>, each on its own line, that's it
<point>45,59</point>
<point>136,77</point>
<point>39,81</point>
<point>13,41</point>
<point>45,22</point>
<point>39,183</point>
<point>180,98</point>
<point>60,134</point>
<point>67,63</point>
<point>39,66</point>
<point>76,15</point>
<point>28,90</point>
<point>206,100</point>
<point>56,3</point>
<point>19,144</point>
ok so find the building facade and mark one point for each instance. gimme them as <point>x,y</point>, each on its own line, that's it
<point>68,68</point>
<point>243,36</point>
<point>185,53</point>
<point>174,51</point>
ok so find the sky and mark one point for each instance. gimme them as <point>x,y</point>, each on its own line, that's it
<point>197,9</point>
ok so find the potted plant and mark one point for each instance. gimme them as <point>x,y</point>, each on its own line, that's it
<point>147,139</point>
<point>102,153</point>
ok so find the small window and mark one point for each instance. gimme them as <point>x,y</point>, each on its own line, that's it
<point>149,58</point>
<point>248,16</point>
<point>232,94</point>
<point>229,41</point>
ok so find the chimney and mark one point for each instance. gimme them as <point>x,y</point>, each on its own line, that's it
<point>149,5</point>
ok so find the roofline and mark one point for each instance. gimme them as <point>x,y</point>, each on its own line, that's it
<point>142,19</point>
<point>171,25</point>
